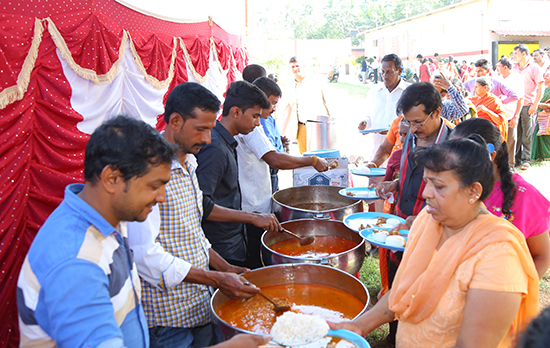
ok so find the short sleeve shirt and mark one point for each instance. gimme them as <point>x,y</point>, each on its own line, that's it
<point>532,76</point>
<point>254,177</point>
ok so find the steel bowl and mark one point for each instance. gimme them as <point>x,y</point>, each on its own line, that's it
<point>287,203</point>
<point>287,274</point>
<point>349,261</point>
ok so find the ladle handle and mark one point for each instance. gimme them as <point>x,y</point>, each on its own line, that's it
<point>291,233</point>
<point>267,298</point>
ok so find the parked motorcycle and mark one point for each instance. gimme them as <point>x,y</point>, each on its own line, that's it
<point>333,74</point>
<point>369,74</point>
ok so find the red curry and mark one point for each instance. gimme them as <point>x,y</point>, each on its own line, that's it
<point>256,314</point>
<point>322,246</point>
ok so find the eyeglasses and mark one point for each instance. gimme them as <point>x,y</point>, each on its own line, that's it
<point>387,72</point>
<point>417,124</point>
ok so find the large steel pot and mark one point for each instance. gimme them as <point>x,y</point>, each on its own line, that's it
<point>286,274</point>
<point>287,203</point>
<point>349,261</point>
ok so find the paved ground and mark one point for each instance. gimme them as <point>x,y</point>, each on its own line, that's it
<point>350,110</point>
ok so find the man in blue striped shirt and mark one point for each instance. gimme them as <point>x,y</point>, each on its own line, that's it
<point>78,285</point>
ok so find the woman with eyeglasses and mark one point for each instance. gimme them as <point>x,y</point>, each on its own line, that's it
<point>467,278</point>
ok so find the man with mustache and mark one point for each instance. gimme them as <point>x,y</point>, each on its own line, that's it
<point>78,286</point>
<point>171,250</point>
<point>421,106</point>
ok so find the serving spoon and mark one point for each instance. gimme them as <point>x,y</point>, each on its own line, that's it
<point>303,240</point>
<point>276,307</point>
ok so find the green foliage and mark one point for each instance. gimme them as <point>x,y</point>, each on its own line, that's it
<point>358,60</point>
<point>409,74</point>
<point>331,19</point>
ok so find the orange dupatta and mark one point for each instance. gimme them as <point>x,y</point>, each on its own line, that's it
<point>424,273</point>
<point>493,103</point>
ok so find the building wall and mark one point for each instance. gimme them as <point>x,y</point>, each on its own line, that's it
<point>463,30</point>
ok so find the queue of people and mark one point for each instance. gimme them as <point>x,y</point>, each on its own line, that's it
<point>130,257</point>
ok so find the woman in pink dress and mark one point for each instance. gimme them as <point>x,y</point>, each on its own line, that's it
<point>512,197</point>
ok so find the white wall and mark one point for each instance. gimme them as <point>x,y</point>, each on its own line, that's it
<point>465,30</point>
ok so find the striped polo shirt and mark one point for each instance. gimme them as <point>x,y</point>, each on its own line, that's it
<point>78,286</point>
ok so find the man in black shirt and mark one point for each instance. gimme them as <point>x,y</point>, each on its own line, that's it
<point>218,177</point>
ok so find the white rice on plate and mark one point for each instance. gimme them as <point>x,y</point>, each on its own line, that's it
<point>296,328</point>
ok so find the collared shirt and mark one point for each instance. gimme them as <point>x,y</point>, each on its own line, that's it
<point>532,76</point>
<point>78,286</point>
<point>455,107</point>
<point>411,182</point>
<point>500,88</point>
<point>254,177</point>
<point>515,81</point>
<point>381,110</point>
<point>218,176</point>
<point>272,132</point>
<point>180,244</point>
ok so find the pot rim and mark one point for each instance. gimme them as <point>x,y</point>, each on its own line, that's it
<point>300,258</point>
<point>217,317</point>
<point>354,203</point>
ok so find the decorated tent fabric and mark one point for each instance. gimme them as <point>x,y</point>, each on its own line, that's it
<point>66,66</point>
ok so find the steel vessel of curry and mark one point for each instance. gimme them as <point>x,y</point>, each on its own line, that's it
<point>313,202</point>
<point>349,261</point>
<point>287,275</point>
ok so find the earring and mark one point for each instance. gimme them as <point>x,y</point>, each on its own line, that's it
<point>471,201</point>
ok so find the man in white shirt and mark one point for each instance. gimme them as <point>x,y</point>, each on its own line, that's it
<point>309,101</point>
<point>515,81</point>
<point>255,154</point>
<point>381,110</point>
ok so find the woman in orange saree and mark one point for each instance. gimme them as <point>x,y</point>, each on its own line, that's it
<point>467,278</point>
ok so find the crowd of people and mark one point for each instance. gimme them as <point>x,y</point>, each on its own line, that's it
<point>131,256</point>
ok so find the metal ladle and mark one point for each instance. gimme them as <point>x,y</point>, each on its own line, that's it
<point>303,240</point>
<point>276,307</point>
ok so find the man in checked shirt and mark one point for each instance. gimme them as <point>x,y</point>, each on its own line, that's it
<point>171,251</point>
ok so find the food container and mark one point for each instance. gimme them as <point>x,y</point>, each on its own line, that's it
<point>288,274</point>
<point>313,202</point>
<point>349,261</point>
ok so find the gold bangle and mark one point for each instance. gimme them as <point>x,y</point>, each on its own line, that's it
<point>314,161</point>
<point>375,166</point>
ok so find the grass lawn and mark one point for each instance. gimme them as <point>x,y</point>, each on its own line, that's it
<point>370,276</point>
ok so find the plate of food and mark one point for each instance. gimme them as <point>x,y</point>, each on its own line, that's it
<point>363,193</point>
<point>360,221</point>
<point>374,130</point>
<point>385,238</point>
<point>370,172</point>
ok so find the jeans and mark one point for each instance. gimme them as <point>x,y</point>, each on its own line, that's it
<point>524,136</point>
<point>180,337</point>
<point>274,179</point>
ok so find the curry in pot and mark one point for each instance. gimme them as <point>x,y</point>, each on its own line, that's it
<point>322,246</point>
<point>256,314</point>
